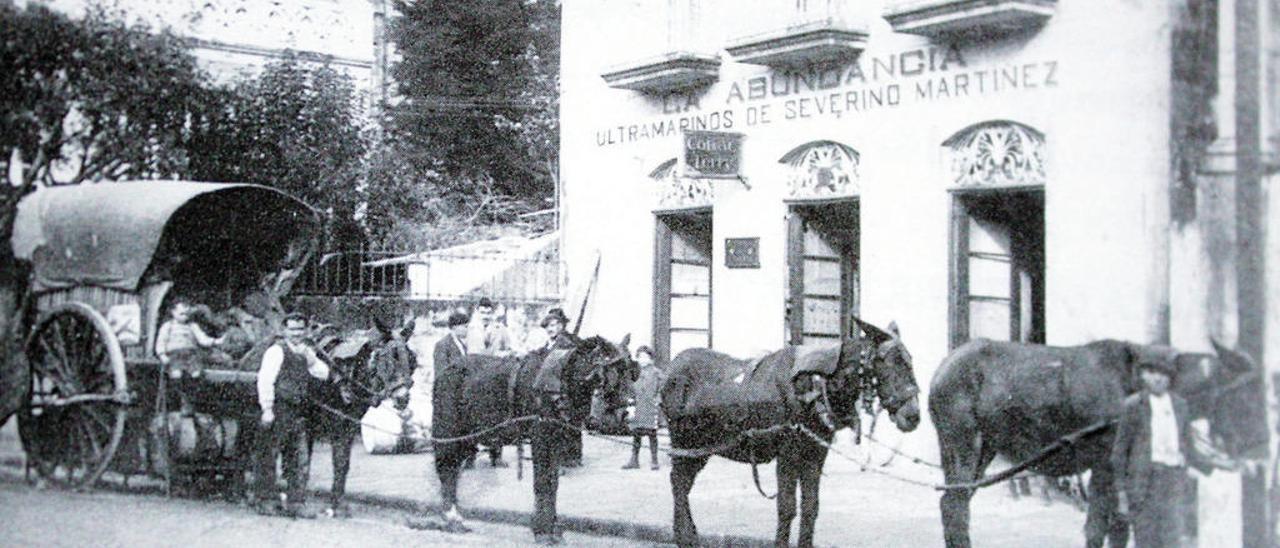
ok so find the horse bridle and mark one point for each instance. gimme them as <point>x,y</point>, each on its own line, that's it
<point>867,377</point>
<point>559,400</point>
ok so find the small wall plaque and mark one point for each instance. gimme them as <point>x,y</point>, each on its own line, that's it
<point>742,252</point>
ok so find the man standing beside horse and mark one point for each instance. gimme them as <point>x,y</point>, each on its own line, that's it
<point>446,405</point>
<point>1150,454</point>
<point>559,338</point>
<point>284,387</point>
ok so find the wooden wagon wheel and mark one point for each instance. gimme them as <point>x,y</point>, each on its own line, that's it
<point>79,396</point>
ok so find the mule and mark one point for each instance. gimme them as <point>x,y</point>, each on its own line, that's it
<point>554,385</point>
<point>367,368</point>
<point>1015,399</point>
<point>750,412</point>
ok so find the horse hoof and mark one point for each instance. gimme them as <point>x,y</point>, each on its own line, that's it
<point>340,511</point>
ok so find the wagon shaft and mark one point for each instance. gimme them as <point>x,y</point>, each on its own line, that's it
<point>122,398</point>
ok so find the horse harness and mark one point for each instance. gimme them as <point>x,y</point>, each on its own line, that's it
<point>867,386</point>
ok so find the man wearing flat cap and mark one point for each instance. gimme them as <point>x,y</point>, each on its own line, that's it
<point>446,394</point>
<point>1149,457</point>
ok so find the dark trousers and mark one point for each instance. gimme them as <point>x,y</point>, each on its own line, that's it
<point>547,451</point>
<point>570,443</point>
<point>285,439</point>
<point>637,434</point>
<point>1156,515</point>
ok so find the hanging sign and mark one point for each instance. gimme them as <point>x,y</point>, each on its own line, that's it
<point>712,154</point>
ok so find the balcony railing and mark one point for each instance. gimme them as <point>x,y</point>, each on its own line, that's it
<point>808,32</point>
<point>938,18</point>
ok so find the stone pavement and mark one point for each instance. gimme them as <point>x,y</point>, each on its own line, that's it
<point>857,508</point>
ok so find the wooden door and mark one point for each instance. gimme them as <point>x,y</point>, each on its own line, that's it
<point>823,287</point>
<point>998,267</point>
<point>682,284</point>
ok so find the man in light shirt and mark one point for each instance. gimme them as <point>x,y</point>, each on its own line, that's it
<point>1149,458</point>
<point>284,387</point>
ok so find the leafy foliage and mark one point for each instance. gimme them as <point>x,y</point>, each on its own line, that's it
<point>296,127</point>
<point>479,83</point>
<point>92,99</point>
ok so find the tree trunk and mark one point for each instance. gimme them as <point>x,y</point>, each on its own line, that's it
<point>15,376</point>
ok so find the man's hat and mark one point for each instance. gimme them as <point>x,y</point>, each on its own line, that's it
<point>457,318</point>
<point>555,314</point>
<point>1158,365</point>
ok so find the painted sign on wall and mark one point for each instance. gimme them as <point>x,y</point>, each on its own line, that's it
<point>712,154</point>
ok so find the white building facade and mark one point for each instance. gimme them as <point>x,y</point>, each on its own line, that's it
<point>1033,170</point>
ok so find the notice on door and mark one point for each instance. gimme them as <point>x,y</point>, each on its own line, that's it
<point>712,154</point>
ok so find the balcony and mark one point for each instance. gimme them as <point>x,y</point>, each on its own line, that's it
<point>937,18</point>
<point>813,43</point>
<point>668,72</point>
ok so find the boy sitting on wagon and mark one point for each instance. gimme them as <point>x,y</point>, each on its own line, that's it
<point>183,346</point>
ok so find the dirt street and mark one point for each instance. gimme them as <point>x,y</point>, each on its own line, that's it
<point>45,518</point>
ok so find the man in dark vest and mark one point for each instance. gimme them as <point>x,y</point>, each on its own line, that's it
<point>446,403</point>
<point>284,386</point>
<point>555,324</point>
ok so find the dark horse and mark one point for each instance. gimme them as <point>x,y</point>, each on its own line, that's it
<point>367,367</point>
<point>749,411</point>
<point>1013,399</point>
<point>555,385</point>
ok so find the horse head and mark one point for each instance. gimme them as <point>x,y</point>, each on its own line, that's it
<point>362,362</point>
<point>880,361</point>
<point>1226,388</point>
<point>595,363</point>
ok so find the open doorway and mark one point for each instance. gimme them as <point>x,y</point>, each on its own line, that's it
<point>822,257</point>
<point>682,282</point>
<point>997,265</point>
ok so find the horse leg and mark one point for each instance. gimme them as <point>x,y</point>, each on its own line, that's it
<point>684,470</point>
<point>1105,520</point>
<point>788,475</point>
<point>341,445</point>
<point>810,476</point>
<point>964,458</point>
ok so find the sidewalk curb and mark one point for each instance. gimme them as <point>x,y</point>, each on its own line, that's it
<point>577,524</point>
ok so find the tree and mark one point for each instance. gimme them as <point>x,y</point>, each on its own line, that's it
<point>479,82</point>
<point>297,127</point>
<point>81,100</point>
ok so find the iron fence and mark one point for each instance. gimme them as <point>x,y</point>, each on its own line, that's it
<point>431,275</point>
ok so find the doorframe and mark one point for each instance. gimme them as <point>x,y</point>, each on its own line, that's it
<point>793,312</point>
<point>662,259</point>
<point>958,263</point>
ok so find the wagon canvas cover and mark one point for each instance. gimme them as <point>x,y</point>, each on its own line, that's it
<point>106,234</point>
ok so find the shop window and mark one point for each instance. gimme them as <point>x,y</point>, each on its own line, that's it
<point>823,240</point>
<point>822,257</point>
<point>997,233</point>
<point>682,282</point>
